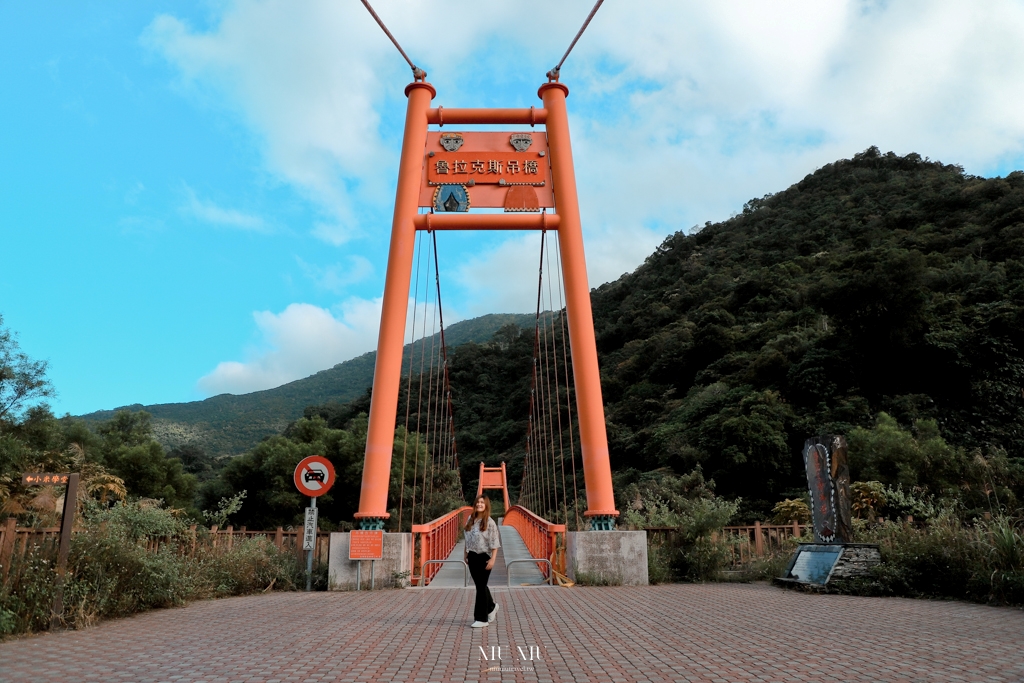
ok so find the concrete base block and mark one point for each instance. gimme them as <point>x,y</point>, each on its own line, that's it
<point>397,558</point>
<point>612,558</point>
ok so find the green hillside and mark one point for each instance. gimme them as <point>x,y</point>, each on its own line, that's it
<point>230,424</point>
<point>876,284</point>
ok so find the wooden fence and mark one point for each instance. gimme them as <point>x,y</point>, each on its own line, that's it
<point>18,542</point>
<point>749,541</point>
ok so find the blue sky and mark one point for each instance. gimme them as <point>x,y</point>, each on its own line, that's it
<point>195,197</point>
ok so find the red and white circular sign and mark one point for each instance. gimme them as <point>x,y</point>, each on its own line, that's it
<point>314,476</point>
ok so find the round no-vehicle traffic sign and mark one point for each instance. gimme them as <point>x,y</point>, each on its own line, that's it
<point>314,476</point>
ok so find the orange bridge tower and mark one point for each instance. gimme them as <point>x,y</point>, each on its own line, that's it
<point>527,174</point>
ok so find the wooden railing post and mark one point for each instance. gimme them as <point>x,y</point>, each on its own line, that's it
<point>758,541</point>
<point>10,532</point>
<point>231,537</point>
<point>278,537</point>
<point>213,532</point>
<point>796,529</point>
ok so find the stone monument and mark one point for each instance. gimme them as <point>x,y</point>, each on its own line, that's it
<point>833,553</point>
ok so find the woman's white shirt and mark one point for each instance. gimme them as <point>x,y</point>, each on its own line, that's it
<point>485,541</point>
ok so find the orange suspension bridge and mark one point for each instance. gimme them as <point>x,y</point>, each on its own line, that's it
<point>411,475</point>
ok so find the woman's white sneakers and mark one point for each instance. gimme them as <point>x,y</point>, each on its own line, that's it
<point>490,617</point>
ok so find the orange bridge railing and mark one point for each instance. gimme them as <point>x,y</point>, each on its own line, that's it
<point>540,536</point>
<point>435,540</point>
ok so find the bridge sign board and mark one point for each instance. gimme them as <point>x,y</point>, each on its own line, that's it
<point>314,476</point>
<point>365,545</point>
<point>491,170</point>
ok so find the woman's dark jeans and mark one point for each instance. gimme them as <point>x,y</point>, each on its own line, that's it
<point>478,569</point>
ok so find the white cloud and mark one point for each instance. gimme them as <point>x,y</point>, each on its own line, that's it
<point>680,111</point>
<point>302,77</point>
<point>304,339</point>
<point>208,212</point>
<point>299,341</point>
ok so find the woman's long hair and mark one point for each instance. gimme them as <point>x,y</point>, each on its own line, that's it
<point>482,516</point>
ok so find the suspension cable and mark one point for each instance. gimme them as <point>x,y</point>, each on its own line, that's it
<point>428,483</point>
<point>419,404</point>
<point>553,74</point>
<point>558,394</point>
<point>569,389</point>
<point>538,388</point>
<point>408,385</point>
<point>448,405</point>
<point>418,73</point>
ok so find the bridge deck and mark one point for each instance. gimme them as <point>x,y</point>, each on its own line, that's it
<point>710,633</point>
<point>512,548</point>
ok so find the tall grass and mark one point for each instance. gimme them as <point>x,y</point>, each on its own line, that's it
<point>946,558</point>
<point>111,572</point>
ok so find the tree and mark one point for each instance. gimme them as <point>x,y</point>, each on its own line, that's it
<point>129,450</point>
<point>22,380</point>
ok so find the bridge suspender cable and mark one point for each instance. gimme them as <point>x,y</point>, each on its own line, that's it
<point>436,480</point>
<point>545,486</point>
<point>553,74</point>
<point>568,385</point>
<point>418,73</point>
<point>408,387</point>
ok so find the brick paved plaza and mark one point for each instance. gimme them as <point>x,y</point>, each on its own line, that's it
<point>718,632</point>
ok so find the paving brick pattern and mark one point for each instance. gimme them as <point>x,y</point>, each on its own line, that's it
<point>716,633</point>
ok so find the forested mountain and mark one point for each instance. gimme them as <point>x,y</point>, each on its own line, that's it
<point>231,424</point>
<point>880,283</point>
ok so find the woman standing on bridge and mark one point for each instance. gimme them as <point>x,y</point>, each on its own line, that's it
<point>482,543</point>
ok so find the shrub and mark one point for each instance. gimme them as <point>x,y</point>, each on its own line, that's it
<point>789,510</point>
<point>692,551</point>
<point>945,559</point>
<point>867,499</point>
<point>134,557</point>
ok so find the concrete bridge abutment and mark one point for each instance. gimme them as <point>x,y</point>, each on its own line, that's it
<point>607,557</point>
<point>387,572</point>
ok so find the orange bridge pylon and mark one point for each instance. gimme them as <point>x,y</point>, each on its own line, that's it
<point>493,478</point>
<point>524,173</point>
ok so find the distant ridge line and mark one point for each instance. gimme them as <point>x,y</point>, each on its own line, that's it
<point>230,424</point>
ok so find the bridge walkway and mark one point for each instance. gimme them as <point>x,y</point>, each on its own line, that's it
<point>512,548</point>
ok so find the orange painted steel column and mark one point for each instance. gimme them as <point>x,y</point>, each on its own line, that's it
<point>380,437</point>
<point>597,471</point>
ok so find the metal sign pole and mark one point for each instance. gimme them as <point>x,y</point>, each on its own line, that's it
<point>309,555</point>
<point>371,573</point>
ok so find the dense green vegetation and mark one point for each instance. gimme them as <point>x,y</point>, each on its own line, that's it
<point>880,283</point>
